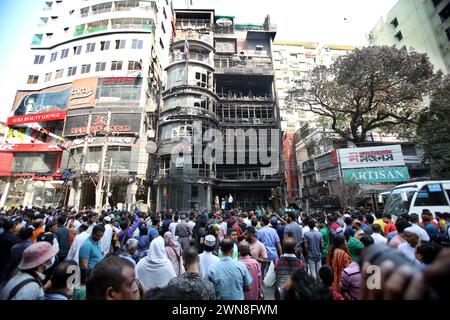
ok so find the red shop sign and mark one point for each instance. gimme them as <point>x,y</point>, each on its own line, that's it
<point>37,117</point>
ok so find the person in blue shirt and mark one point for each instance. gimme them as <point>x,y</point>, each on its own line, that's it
<point>230,277</point>
<point>91,249</point>
<point>430,228</point>
<point>269,237</point>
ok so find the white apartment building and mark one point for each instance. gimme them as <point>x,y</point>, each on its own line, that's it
<point>292,60</point>
<point>98,66</point>
<point>417,25</point>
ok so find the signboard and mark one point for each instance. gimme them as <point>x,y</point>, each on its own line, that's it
<point>45,101</point>
<point>383,156</point>
<point>114,81</point>
<point>371,175</point>
<point>32,147</point>
<point>119,123</point>
<point>83,93</point>
<point>37,117</point>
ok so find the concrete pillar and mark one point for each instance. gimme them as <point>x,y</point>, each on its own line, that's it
<point>208,196</point>
<point>158,198</point>
<point>77,198</point>
<point>5,193</point>
<point>99,193</point>
<point>73,190</point>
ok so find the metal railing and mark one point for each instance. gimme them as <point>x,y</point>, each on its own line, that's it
<point>244,175</point>
<point>192,56</point>
<point>247,64</point>
<point>193,24</point>
<point>240,96</point>
<point>192,35</point>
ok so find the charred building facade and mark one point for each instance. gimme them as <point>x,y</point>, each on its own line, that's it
<point>220,100</point>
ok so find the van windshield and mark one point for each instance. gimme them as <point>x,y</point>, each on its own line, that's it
<point>394,203</point>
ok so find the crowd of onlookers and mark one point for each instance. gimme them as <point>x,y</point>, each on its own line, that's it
<point>61,254</point>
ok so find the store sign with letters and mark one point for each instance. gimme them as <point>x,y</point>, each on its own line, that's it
<point>83,93</point>
<point>37,117</point>
<point>373,175</point>
<point>383,156</point>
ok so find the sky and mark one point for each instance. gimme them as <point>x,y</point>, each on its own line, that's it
<point>328,21</point>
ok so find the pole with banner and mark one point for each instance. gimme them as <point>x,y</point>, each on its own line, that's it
<point>341,179</point>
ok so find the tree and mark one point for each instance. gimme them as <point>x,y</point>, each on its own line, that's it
<point>433,131</point>
<point>370,88</point>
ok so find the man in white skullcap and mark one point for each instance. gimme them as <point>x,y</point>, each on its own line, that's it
<point>408,248</point>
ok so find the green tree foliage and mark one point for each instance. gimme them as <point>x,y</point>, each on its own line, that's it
<point>433,131</point>
<point>368,89</point>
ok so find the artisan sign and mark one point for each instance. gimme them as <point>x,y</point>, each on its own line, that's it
<point>383,156</point>
<point>83,93</point>
<point>37,117</point>
<point>372,175</point>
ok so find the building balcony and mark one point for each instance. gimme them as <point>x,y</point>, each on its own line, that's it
<point>193,24</point>
<point>251,65</point>
<point>180,173</point>
<point>114,24</point>
<point>195,57</point>
<point>183,35</point>
<point>245,175</point>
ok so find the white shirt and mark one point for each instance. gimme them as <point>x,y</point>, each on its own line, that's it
<point>306,229</point>
<point>230,199</point>
<point>106,239</point>
<point>378,238</point>
<point>172,228</point>
<point>76,245</point>
<point>408,251</point>
<point>423,235</point>
<point>191,225</point>
<point>206,260</point>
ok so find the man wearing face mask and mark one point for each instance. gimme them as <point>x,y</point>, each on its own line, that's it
<point>27,284</point>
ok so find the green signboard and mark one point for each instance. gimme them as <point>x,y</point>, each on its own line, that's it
<point>368,175</point>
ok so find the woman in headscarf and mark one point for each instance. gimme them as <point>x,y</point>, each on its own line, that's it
<point>339,259</point>
<point>142,249</point>
<point>155,270</point>
<point>173,250</point>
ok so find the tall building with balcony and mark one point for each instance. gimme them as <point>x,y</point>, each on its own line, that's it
<point>292,61</point>
<point>417,25</point>
<point>94,81</point>
<point>220,77</point>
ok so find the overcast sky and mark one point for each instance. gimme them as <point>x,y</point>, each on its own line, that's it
<point>327,21</point>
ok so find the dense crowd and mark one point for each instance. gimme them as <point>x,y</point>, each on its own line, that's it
<point>231,254</point>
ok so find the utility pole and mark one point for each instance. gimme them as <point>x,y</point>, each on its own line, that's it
<point>109,183</point>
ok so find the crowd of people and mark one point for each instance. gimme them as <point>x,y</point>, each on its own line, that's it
<point>61,254</point>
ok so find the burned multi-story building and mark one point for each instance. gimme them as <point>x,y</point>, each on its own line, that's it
<point>220,82</point>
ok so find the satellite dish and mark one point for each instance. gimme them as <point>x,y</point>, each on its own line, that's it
<point>151,147</point>
<point>224,22</point>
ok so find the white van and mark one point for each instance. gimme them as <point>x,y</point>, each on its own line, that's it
<point>415,196</point>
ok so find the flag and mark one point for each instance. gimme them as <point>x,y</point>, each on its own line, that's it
<point>186,49</point>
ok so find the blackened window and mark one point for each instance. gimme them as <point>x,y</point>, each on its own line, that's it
<point>445,13</point>
<point>399,36</point>
<point>436,2</point>
<point>395,23</point>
